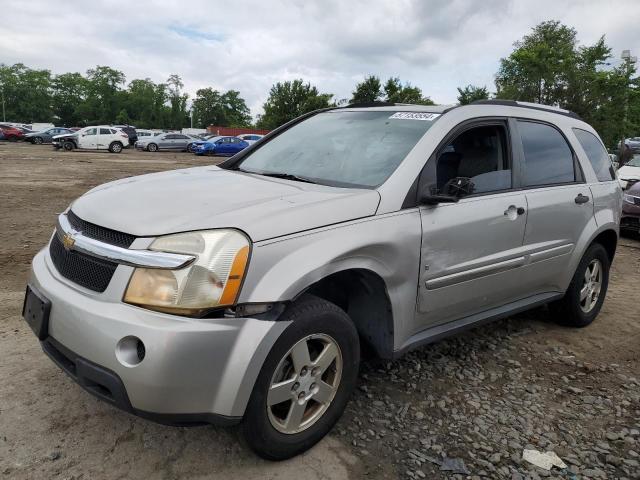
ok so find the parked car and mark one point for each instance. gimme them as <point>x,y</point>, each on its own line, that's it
<point>220,146</point>
<point>130,131</point>
<point>250,137</point>
<point>12,134</point>
<point>145,134</point>
<point>630,220</point>
<point>101,137</point>
<point>1,134</point>
<point>46,136</point>
<point>242,293</point>
<point>630,172</point>
<point>166,141</point>
<point>633,142</point>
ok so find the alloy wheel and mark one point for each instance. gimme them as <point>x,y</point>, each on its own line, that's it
<point>304,383</point>
<point>591,286</point>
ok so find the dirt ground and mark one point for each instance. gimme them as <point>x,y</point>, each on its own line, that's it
<point>479,398</point>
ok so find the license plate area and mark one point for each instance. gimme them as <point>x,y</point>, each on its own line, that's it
<point>35,312</point>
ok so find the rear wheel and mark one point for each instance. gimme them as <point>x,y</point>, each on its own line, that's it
<point>584,297</point>
<point>68,146</point>
<point>305,382</point>
<point>12,138</point>
<point>37,140</point>
<point>115,147</point>
<point>152,147</point>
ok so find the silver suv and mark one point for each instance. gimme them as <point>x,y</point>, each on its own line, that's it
<point>243,292</point>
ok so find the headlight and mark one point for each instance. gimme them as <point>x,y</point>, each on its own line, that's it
<point>212,280</point>
<point>629,198</point>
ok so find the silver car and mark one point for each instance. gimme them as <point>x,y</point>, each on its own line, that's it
<point>243,292</point>
<point>166,141</point>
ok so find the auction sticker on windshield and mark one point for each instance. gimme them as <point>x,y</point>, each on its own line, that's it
<point>415,116</point>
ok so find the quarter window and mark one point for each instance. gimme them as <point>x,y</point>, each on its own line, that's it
<point>548,159</point>
<point>597,155</point>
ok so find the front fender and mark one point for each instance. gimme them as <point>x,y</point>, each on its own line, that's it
<point>388,245</point>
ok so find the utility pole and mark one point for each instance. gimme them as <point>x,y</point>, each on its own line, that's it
<point>629,60</point>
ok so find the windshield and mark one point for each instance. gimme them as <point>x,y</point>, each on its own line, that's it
<point>634,162</point>
<point>342,148</point>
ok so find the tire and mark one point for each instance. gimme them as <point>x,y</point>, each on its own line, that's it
<point>68,146</point>
<point>37,140</point>
<point>152,147</point>
<point>12,138</point>
<point>115,147</point>
<point>190,148</point>
<point>578,308</point>
<point>319,326</point>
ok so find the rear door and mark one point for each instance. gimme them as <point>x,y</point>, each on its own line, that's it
<point>471,250</point>
<point>105,136</point>
<point>559,202</point>
<point>165,142</point>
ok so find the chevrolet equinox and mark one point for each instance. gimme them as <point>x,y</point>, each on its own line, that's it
<point>242,293</point>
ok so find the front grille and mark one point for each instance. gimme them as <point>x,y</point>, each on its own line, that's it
<point>102,234</point>
<point>89,272</point>
<point>636,200</point>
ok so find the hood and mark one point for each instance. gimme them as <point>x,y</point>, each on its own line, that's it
<point>65,135</point>
<point>628,172</point>
<point>210,197</point>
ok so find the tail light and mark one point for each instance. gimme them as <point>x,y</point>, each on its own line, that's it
<point>124,135</point>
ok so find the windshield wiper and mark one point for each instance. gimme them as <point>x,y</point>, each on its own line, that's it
<point>286,176</point>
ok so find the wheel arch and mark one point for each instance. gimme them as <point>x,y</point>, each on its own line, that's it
<point>608,238</point>
<point>362,294</point>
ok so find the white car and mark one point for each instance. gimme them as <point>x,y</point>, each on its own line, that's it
<point>630,173</point>
<point>145,134</point>
<point>101,137</point>
<point>250,137</point>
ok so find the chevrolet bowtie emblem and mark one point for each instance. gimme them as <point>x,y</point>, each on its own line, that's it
<point>68,241</point>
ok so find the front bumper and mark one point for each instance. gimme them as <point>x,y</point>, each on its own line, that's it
<point>194,370</point>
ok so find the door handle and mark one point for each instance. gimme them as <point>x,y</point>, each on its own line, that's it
<point>581,199</point>
<point>512,212</point>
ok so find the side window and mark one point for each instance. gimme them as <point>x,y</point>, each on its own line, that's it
<point>476,161</point>
<point>597,155</point>
<point>91,131</point>
<point>169,137</point>
<point>105,131</point>
<point>548,159</point>
<point>181,137</point>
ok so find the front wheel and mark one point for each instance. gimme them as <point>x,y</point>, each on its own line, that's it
<point>152,147</point>
<point>305,382</point>
<point>115,147</point>
<point>37,140</point>
<point>584,297</point>
<point>68,146</point>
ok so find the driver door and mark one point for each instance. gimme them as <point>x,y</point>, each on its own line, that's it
<point>471,251</point>
<point>89,139</point>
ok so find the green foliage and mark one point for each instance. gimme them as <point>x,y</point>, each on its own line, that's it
<point>396,92</point>
<point>471,93</point>
<point>72,99</point>
<point>288,100</point>
<point>367,91</point>
<point>212,108</point>
<point>548,66</point>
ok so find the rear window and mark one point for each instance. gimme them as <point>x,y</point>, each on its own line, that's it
<point>597,155</point>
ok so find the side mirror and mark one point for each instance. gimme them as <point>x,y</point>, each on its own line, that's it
<point>429,199</point>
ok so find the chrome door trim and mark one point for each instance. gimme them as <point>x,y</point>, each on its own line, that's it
<point>473,273</point>
<point>74,240</point>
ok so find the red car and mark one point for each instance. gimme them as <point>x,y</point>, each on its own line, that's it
<point>12,134</point>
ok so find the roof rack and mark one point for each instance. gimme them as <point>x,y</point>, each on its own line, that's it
<point>370,104</point>
<point>532,106</point>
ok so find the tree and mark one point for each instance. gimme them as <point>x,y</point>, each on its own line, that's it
<point>548,66</point>
<point>103,95</point>
<point>367,91</point>
<point>26,93</point>
<point>396,92</point>
<point>177,102</point>
<point>288,100</point>
<point>471,93</point>
<point>227,109</point>
<point>68,92</point>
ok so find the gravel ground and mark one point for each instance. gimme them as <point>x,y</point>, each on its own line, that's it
<point>465,407</point>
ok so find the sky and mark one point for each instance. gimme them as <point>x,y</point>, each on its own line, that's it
<point>437,45</point>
